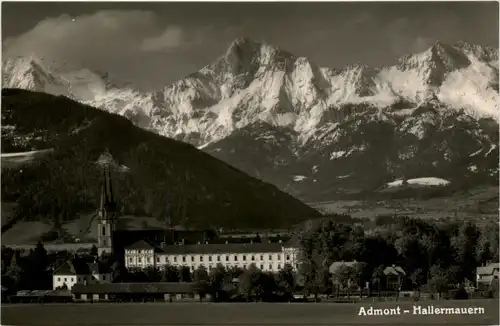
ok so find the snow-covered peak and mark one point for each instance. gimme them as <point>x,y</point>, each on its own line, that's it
<point>433,65</point>
<point>481,53</point>
<point>254,81</point>
<point>28,73</point>
<point>246,58</point>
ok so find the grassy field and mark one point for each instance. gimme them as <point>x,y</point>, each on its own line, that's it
<point>239,314</point>
<point>477,204</point>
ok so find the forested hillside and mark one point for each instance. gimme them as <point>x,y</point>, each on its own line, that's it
<point>158,176</point>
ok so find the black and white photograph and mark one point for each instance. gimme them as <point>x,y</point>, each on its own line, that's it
<point>250,163</point>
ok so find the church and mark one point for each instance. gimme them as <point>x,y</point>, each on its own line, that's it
<point>192,248</point>
<point>112,237</point>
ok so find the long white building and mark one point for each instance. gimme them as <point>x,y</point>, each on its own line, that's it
<point>266,255</point>
<point>269,257</point>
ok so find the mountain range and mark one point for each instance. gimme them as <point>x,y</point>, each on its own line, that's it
<point>313,131</point>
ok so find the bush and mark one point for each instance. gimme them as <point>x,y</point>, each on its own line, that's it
<point>459,294</point>
<point>415,296</point>
<point>487,294</point>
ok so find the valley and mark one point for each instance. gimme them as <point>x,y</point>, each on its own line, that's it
<point>479,204</point>
<point>354,141</point>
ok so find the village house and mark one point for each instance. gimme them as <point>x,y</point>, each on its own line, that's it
<point>269,257</point>
<point>486,274</point>
<point>77,271</point>
<point>394,277</point>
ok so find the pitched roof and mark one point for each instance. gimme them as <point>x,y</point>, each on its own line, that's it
<point>489,269</point>
<point>160,287</point>
<point>41,293</point>
<point>80,267</point>
<point>394,270</point>
<point>141,244</point>
<point>73,267</point>
<point>229,248</point>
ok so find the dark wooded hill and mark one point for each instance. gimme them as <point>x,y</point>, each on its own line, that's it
<point>159,175</point>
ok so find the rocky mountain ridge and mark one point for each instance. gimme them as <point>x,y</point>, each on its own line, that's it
<point>282,118</point>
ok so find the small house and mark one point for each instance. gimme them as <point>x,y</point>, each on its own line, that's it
<point>77,271</point>
<point>394,277</point>
<point>486,274</point>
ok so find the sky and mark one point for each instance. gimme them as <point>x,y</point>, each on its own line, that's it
<point>150,45</point>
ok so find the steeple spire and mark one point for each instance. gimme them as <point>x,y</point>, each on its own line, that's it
<point>108,203</point>
<point>107,210</point>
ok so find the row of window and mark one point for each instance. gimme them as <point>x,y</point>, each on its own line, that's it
<point>278,257</point>
<point>210,259</point>
<point>80,279</point>
<point>270,267</point>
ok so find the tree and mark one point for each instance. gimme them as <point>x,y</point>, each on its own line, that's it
<point>37,274</point>
<point>216,280</point>
<point>253,284</point>
<point>138,275</point>
<point>438,281</point>
<point>362,275</point>
<point>345,275</point>
<point>184,274</point>
<point>322,282</point>
<point>153,274</point>
<point>171,273</point>
<point>235,272</point>
<point>464,245</point>
<point>455,274</point>
<point>119,272</point>
<point>14,272</point>
<point>411,250</point>
<point>285,281</point>
<point>201,281</point>
<point>93,251</point>
<point>373,246</point>
<point>377,276</point>
<point>494,286</point>
<point>417,279</point>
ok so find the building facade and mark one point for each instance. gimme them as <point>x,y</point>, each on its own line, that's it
<point>76,271</point>
<point>394,277</point>
<point>486,274</point>
<point>185,247</point>
<point>269,257</point>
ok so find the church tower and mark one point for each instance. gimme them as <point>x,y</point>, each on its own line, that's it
<point>107,214</point>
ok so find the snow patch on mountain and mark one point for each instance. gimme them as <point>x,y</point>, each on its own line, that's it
<point>299,178</point>
<point>428,181</point>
